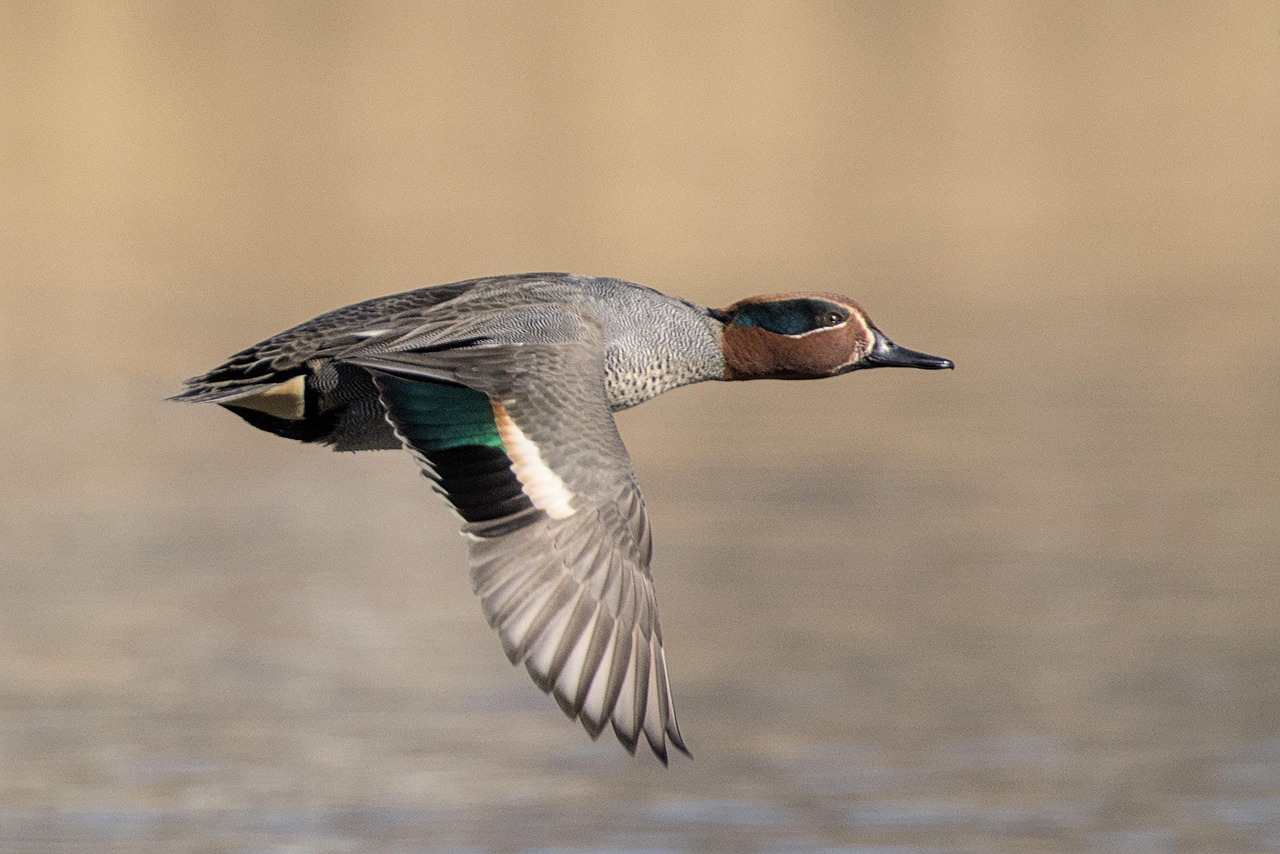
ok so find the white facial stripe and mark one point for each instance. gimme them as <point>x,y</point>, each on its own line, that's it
<point>839,325</point>
<point>287,400</point>
<point>543,486</point>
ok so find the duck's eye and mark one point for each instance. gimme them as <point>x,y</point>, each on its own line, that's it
<point>833,318</point>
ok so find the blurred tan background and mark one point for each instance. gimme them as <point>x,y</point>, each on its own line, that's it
<point>1028,606</point>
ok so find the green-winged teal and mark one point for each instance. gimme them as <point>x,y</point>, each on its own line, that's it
<point>503,389</point>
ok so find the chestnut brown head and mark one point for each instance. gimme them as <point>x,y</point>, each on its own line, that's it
<point>804,336</point>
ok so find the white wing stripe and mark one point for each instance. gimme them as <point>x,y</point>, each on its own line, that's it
<point>543,486</point>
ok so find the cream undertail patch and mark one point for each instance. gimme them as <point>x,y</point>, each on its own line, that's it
<point>285,400</point>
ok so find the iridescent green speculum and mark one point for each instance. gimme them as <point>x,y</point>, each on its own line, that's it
<point>442,416</point>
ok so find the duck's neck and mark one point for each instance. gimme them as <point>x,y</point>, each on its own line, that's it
<point>679,345</point>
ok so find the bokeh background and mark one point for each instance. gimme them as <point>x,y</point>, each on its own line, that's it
<point>1028,606</point>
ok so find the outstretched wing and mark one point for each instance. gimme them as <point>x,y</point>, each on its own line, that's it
<point>519,438</point>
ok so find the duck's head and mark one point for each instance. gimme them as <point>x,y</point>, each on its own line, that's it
<point>804,336</point>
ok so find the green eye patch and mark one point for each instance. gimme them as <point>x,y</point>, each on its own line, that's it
<point>791,317</point>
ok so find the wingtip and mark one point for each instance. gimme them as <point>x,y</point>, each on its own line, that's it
<point>677,741</point>
<point>544,683</point>
<point>628,741</point>
<point>565,703</point>
<point>193,393</point>
<point>659,748</point>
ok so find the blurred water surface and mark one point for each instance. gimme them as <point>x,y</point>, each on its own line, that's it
<point>1030,606</point>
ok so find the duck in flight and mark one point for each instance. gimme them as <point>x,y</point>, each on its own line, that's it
<point>504,391</point>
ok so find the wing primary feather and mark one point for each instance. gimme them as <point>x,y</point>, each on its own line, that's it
<point>596,710</point>
<point>490,578</point>
<point>628,717</point>
<point>591,671</point>
<point>655,719</point>
<point>667,705</point>
<point>575,635</point>
<point>554,602</point>
<point>514,628</point>
<point>570,672</point>
<point>540,659</point>
<point>622,693</point>
<point>619,669</point>
<point>642,665</point>
<point>512,602</point>
<point>509,585</point>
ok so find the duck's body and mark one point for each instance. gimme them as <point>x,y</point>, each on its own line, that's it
<point>503,389</point>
